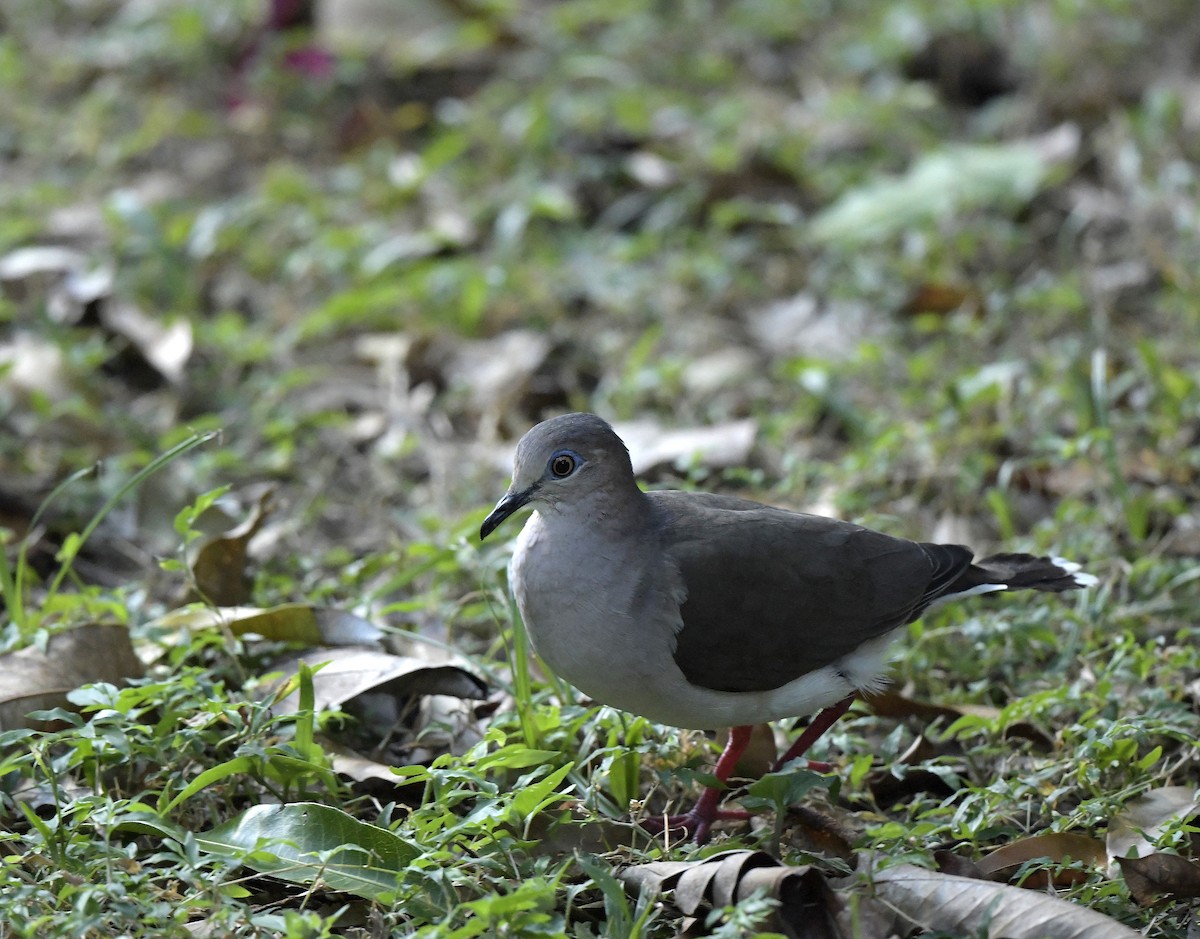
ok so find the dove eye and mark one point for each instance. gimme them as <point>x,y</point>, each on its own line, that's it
<point>562,464</point>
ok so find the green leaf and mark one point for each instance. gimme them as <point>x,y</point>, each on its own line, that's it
<point>779,790</point>
<point>76,540</point>
<point>236,766</point>
<point>937,186</point>
<point>304,715</point>
<point>70,548</point>
<point>185,519</point>
<point>624,774</point>
<point>305,842</point>
<point>536,796</point>
<point>516,758</point>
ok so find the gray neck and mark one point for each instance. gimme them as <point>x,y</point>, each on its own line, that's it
<point>609,513</point>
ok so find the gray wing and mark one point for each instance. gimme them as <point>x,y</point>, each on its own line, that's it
<point>773,595</point>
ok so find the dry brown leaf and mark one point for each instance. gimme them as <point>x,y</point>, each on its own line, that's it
<point>447,723</point>
<point>557,838</point>
<point>364,770</point>
<point>1160,876</point>
<point>400,32</point>
<point>906,777</point>
<point>965,67</point>
<point>1057,847</point>
<point>896,785</point>
<point>939,298</point>
<point>950,863</point>
<point>808,908</point>
<point>80,296</point>
<point>760,753</point>
<point>1134,829</point>
<point>146,349</point>
<point>1027,730</point>
<point>815,832</point>
<point>965,907</point>
<point>895,705</point>
<point>288,622</point>
<point>219,567</point>
<point>32,679</point>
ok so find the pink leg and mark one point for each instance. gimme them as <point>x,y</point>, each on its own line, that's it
<point>697,822</point>
<point>825,719</point>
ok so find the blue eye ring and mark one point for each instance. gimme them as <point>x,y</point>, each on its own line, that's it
<point>563,463</point>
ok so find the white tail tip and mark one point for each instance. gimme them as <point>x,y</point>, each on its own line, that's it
<point>1081,577</point>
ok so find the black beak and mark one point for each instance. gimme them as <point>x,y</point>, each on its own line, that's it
<point>504,508</point>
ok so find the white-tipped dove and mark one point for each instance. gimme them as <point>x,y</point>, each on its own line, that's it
<point>709,611</point>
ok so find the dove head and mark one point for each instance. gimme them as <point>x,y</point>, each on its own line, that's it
<point>567,462</point>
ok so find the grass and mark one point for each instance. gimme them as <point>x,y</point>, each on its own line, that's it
<point>324,275</point>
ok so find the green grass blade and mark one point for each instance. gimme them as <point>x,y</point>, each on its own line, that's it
<point>163,459</point>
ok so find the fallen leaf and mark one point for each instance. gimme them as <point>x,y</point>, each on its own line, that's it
<point>808,907</point>
<point>309,843</point>
<point>219,567</point>
<point>893,704</point>
<point>909,775</point>
<point>288,622</point>
<point>651,170</point>
<point>760,753</point>
<point>31,365</point>
<point>33,679</point>
<point>939,298</point>
<point>816,833</point>
<point>721,370</point>
<point>164,345</point>
<point>350,672</point>
<point>950,863</point>
<point>150,349</point>
<point>1160,876</point>
<point>944,183</point>
<point>806,325</point>
<point>446,723</point>
<point>495,372</point>
<point>900,783</point>
<point>407,710</point>
<point>79,298</point>
<point>651,446</point>
<point>396,32</point>
<point>1133,831</point>
<point>962,906</point>
<point>23,263</point>
<point>557,835</point>
<point>716,881</point>
<point>1056,847</point>
<point>353,765</point>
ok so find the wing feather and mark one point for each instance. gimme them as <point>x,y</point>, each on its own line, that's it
<point>773,595</point>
